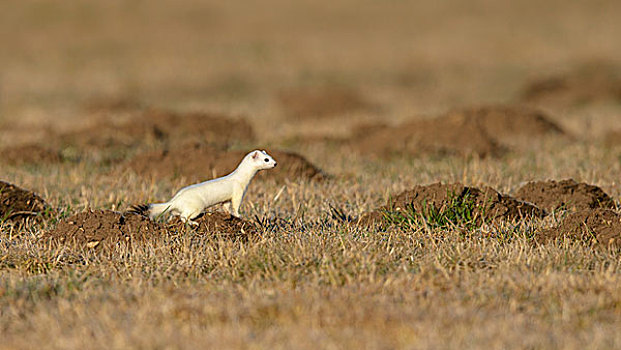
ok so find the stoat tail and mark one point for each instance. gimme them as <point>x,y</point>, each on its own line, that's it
<point>151,210</point>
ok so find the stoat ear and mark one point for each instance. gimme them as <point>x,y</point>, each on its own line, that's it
<point>255,154</point>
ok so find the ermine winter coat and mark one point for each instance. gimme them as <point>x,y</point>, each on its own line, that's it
<point>192,200</point>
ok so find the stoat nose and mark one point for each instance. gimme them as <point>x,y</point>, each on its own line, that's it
<point>275,164</point>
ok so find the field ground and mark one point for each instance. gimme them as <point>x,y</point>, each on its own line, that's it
<point>382,97</point>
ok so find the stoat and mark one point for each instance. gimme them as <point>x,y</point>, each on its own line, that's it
<point>192,200</point>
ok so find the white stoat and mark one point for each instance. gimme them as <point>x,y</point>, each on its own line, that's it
<point>192,200</point>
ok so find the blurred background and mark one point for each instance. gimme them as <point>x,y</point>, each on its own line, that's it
<point>271,61</point>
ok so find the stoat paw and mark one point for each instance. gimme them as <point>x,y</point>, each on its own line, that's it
<point>189,222</point>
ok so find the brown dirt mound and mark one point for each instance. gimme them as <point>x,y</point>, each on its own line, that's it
<point>112,104</point>
<point>17,204</point>
<point>367,128</point>
<point>483,131</point>
<point>565,194</point>
<point>200,163</point>
<point>104,228</point>
<point>29,154</point>
<point>589,83</point>
<point>598,226</point>
<point>613,138</point>
<point>322,102</point>
<point>168,127</point>
<point>484,204</point>
<point>218,224</point>
<point>445,135</point>
<point>506,123</point>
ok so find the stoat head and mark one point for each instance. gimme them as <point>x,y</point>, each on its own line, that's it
<point>261,160</point>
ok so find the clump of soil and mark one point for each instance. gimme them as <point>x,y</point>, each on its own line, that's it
<point>112,104</point>
<point>453,202</point>
<point>613,138</point>
<point>444,135</point>
<point>482,131</point>
<point>599,226</point>
<point>589,83</point>
<point>101,228</point>
<point>566,194</point>
<point>200,163</point>
<point>322,102</point>
<point>17,204</point>
<point>367,128</point>
<point>218,224</point>
<point>29,154</point>
<point>509,123</point>
<point>105,228</point>
<point>156,126</point>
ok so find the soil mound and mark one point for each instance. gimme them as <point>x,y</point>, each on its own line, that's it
<point>440,203</point>
<point>454,134</point>
<point>156,126</point>
<point>104,228</point>
<point>482,131</point>
<point>565,194</point>
<point>322,102</point>
<point>218,224</point>
<point>589,83</point>
<point>365,129</point>
<point>613,138</point>
<point>199,163</point>
<point>506,123</point>
<point>113,104</point>
<point>596,226</point>
<point>29,154</point>
<point>17,204</point>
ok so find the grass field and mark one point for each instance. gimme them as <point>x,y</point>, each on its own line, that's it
<point>309,280</point>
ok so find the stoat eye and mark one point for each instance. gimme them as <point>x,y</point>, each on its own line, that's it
<point>266,160</point>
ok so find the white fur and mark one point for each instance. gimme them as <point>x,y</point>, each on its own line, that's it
<point>192,200</point>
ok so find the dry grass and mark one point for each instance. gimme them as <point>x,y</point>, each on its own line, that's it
<point>309,281</point>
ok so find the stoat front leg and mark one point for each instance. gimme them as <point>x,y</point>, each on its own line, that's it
<point>227,206</point>
<point>236,199</point>
<point>188,214</point>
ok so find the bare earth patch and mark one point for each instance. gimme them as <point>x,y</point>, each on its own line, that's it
<point>481,131</point>
<point>613,138</point>
<point>200,163</point>
<point>484,204</point>
<point>168,127</point>
<point>106,104</point>
<point>450,135</point>
<point>597,226</point>
<point>585,84</point>
<point>109,138</point>
<point>101,228</point>
<point>508,124</point>
<point>322,102</point>
<point>566,194</point>
<point>29,154</point>
<point>106,228</point>
<point>217,224</point>
<point>17,204</point>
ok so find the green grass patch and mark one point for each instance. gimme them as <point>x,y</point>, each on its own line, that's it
<point>459,210</point>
